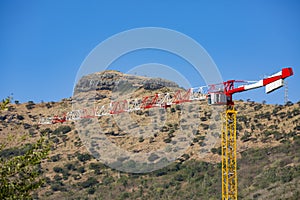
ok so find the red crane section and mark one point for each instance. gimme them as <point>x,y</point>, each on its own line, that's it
<point>272,83</point>
<point>216,94</point>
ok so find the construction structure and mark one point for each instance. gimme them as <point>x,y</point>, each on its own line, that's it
<point>228,136</point>
<point>286,92</point>
<point>216,94</point>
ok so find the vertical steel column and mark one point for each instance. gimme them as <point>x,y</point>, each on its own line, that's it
<point>228,144</point>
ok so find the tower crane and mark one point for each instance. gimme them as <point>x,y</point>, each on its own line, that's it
<point>228,135</point>
<point>216,94</point>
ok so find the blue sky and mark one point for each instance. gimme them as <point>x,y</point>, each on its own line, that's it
<point>43,43</point>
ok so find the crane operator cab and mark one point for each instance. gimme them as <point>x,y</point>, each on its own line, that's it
<point>216,98</point>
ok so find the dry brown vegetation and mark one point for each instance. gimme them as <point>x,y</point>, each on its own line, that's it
<point>268,151</point>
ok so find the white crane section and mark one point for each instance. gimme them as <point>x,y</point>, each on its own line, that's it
<point>216,94</point>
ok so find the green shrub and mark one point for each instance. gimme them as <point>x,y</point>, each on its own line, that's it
<point>205,126</point>
<point>167,140</point>
<point>178,107</point>
<point>26,126</point>
<point>20,174</point>
<point>30,105</point>
<point>246,136</point>
<point>62,130</point>
<point>20,117</point>
<point>179,177</point>
<point>203,119</point>
<point>70,166</point>
<point>108,180</point>
<point>91,181</point>
<point>164,129</point>
<point>65,175</point>
<point>55,158</point>
<point>12,152</point>
<point>214,150</point>
<point>57,177</point>
<point>58,169</point>
<point>91,190</point>
<point>81,169</point>
<point>141,139</point>
<point>46,131</point>
<point>55,140</point>
<point>58,186</point>
<point>84,157</point>
<point>124,195</point>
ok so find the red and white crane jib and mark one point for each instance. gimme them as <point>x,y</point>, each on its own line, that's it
<point>217,94</point>
<point>272,82</point>
<point>162,100</point>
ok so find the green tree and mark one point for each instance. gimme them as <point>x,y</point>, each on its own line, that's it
<point>5,102</point>
<point>20,175</point>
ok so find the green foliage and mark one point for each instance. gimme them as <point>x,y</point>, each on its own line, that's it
<point>81,169</point>
<point>276,174</point>
<point>30,105</point>
<point>26,126</point>
<point>5,102</point>
<point>46,131</point>
<point>124,195</point>
<point>266,168</point>
<point>205,126</point>
<point>96,167</point>
<point>108,180</point>
<point>20,117</point>
<point>57,178</point>
<point>203,119</point>
<point>217,150</point>
<point>48,105</point>
<point>84,157</point>
<point>62,130</point>
<point>259,170</point>
<point>167,140</point>
<point>58,169</point>
<point>70,166</point>
<point>12,152</point>
<point>91,190</point>
<point>141,139</point>
<point>20,174</point>
<point>246,136</point>
<point>214,150</point>
<point>55,158</point>
<point>91,181</point>
<point>289,103</point>
<point>58,186</point>
<point>164,129</point>
<point>239,127</point>
<point>258,107</point>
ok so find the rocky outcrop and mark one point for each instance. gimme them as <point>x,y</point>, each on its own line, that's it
<point>113,80</point>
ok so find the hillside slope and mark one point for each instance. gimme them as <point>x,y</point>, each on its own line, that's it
<point>268,147</point>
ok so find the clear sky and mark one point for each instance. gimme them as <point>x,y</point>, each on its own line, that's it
<point>43,43</point>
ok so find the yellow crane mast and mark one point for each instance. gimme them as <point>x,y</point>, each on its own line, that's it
<point>223,96</point>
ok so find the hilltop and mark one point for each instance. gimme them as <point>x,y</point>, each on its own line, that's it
<point>268,145</point>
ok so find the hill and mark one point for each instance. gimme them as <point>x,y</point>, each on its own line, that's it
<point>268,145</point>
